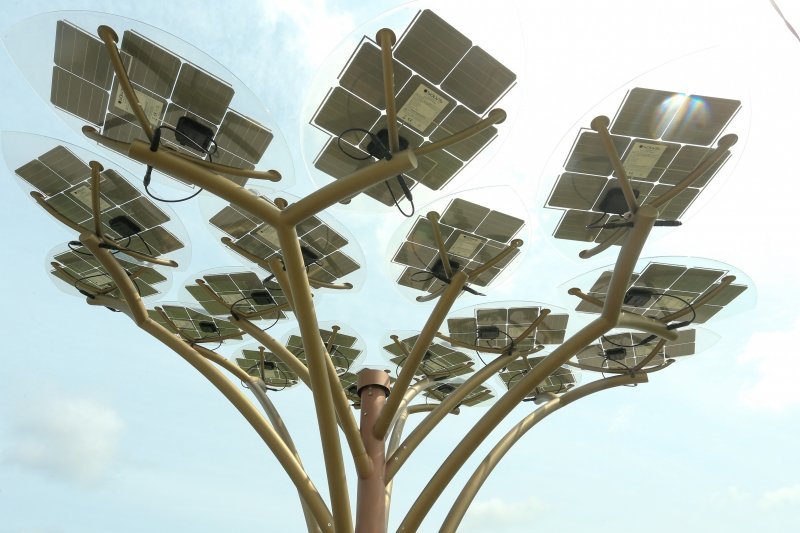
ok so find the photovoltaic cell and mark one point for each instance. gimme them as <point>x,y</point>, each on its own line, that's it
<point>473,234</point>
<point>192,324</point>
<point>65,180</point>
<point>81,269</point>
<point>682,286</point>
<point>236,289</point>
<point>322,244</point>
<point>438,360</point>
<point>557,382</point>
<point>510,322</point>
<point>443,84</point>
<point>167,87</point>
<point>274,372</point>
<point>479,395</point>
<point>343,352</point>
<point>594,355</point>
<point>661,137</point>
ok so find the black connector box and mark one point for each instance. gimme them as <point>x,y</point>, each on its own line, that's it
<point>262,297</point>
<point>488,332</point>
<point>192,134</point>
<point>124,226</point>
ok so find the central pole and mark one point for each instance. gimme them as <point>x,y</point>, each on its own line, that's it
<point>373,387</point>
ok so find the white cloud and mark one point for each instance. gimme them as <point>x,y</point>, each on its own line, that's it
<point>65,436</point>
<point>775,366</point>
<point>502,516</point>
<point>767,500</point>
<point>785,496</point>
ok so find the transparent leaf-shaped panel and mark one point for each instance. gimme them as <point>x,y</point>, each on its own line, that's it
<point>202,110</point>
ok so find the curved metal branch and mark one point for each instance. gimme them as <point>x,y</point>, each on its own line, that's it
<point>626,261</point>
<point>452,401</point>
<point>414,359</point>
<point>267,433</point>
<point>475,482</point>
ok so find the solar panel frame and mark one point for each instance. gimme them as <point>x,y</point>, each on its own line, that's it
<point>458,225</point>
<point>479,395</point>
<point>236,287</point>
<point>345,353</point>
<point>280,376</point>
<point>594,355</point>
<point>646,123</point>
<point>85,85</point>
<point>439,359</point>
<point>65,181</point>
<point>76,266</point>
<point>671,279</point>
<point>424,107</point>
<point>560,380</point>
<point>187,321</point>
<point>511,322</point>
<point>260,239</point>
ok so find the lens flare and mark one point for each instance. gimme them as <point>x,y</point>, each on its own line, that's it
<point>666,111</point>
<point>694,114</point>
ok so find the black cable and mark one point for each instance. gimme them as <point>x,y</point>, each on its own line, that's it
<point>591,225</point>
<point>515,376</point>
<point>135,284</point>
<point>479,356</point>
<point>407,192</point>
<point>674,325</point>
<point>75,283</point>
<point>286,381</point>
<point>372,137</point>
<point>149,250</point>
<point>277,317</point>
<point>154,144</point>
<point>236,315</point>
<point>387,155</point>
<point>74,245</point>
<point>606,360</point>
<point>349,363</point>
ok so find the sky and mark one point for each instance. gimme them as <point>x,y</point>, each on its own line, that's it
<point>103,429</point>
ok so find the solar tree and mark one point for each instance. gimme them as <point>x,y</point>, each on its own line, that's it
<point>403,113</point>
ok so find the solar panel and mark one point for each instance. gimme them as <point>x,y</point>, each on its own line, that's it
<point>672,288</point>
<point>194,325</point>
<point>321,245</point>
<point>344,351</point>
<point>661,137</point>
<point>497,327</point>
<point>438,361</point>
<point>349,381</point>
<point>479,395</point>
<point>243,292</point>
<point>167,86</point>
<point>623,350</point>
<point>557,382</point>
<point>265,365</point>
<point>443,84</point>
<point>65,181</point>
<point>473,235</point>
<point>81,270</point>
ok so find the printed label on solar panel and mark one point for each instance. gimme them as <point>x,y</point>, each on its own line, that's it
<point>422,108</point>
<point>84,195</point>
<point>641,159</point>
<point>466,245</point>
<point>152,108</point>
